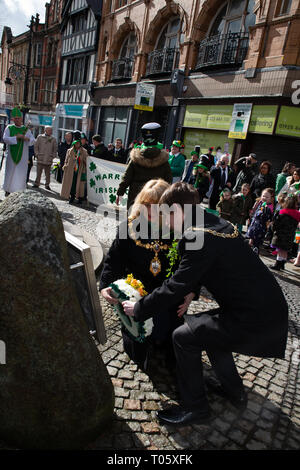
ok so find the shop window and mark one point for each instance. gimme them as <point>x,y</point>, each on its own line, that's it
<point>165,56</point>
<point>228,36</point>
<point>113,123</point>
<point>283,7</point>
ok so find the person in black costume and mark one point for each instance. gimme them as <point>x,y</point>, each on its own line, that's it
<point>134,255</point>
<point>252,318</point>
<point>62,149</point>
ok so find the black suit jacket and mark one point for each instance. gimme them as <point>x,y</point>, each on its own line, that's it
<point>253,310</point>
<point>216,173</point>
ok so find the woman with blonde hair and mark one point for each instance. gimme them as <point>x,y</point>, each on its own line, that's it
<point>147,259</point>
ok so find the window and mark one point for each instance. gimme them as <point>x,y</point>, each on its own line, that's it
<point>38,54</point>
<point>129,47</point>
<point>79,22</point>
<point>77,71</point>
<point>49,52</point>
<point>66,124</point>
<point>113,123</point>
<point>121,3</point>
<point>36,87</point>
<point>283,7</point>
<point>234,16</point>
<point>169,37</point>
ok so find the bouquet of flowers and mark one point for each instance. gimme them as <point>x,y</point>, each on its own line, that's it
<point>133,290</point>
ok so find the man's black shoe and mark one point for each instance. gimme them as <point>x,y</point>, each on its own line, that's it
<point>177,416</point>
<point>239,400</point>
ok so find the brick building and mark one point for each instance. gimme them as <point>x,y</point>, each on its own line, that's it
<point>30,64</point>
<point>223,53</point>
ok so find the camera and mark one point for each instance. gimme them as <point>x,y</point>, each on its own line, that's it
<point>223,163</point>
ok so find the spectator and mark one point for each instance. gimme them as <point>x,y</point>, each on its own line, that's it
<point>202,181</point>
<point>176,160</point>
<point>45,149</point>
<point>262,216</point>
<point>247,168</point>
<point>242,204</point>
<point>292,182</point>
<point>221,176</point>
<point>281,179</point>
<point>17,138</point>
<point>284,228</point>
<point>211,158</point>
<point>74,173</point>
<point>219,154</point>
<point>147,162</point>
<point>225,205</point>
<point>30,161</point>
<point>264,179</point>
<point>99,151</point>
<point>63,147</point>
<point>117,153</point>
<point>188,176</point>
<point>85,143</point>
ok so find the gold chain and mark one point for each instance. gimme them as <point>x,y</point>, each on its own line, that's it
<point>152,245</point>
<point>235,233</point>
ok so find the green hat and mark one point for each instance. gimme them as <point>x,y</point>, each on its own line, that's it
<point>201,166</point>
<point>16,113</point>
<point>75,142</point>
<point>193,152</point>
<point>177,143</point>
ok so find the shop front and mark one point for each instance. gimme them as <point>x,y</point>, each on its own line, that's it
<point>38,122</point>
<point>273,132</point>
<point>70,118</point>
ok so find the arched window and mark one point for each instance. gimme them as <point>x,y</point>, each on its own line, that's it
<point>122,68</point>
<point>228,35</point>
<point>165,56</point>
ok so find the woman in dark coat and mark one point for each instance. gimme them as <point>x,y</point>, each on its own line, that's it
<point>263,180</point>
<point>145,164</point>
<point>135,256</point>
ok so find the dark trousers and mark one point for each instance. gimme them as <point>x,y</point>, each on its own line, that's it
<point>188,347</point>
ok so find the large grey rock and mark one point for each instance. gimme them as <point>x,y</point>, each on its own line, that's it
<point>55,391</point>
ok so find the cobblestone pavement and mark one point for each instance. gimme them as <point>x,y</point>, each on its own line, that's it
<point>272,418</point>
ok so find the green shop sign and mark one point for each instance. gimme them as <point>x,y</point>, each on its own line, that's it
<point>206,139</point>
<point>262,119</point>
<point>288,121</point>
<point>208,117</point>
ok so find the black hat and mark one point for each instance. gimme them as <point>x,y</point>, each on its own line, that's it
<point>150,132</point>
<point>83,135</point>
<point>77,135</point>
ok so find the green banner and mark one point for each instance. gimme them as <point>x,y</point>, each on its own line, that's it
<point>262,119</point>
<point>289,121</point>
<point>208,117</point>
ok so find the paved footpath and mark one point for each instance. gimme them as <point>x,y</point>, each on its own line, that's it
<point>272,418</point>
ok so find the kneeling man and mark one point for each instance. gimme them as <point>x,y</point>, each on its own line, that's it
<point>252,318</point>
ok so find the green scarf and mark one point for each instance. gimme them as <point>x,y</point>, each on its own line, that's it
<point>16,150</point>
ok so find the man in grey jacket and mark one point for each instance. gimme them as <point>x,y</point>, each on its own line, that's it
<point>45,149</point>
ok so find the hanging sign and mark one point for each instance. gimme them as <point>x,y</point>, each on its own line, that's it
<point>240,120</point>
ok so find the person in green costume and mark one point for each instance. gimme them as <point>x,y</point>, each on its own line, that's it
<point>176,160</point>
<point>18,138</point>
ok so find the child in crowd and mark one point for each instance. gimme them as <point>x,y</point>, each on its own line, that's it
<point>262,215</point>
<point>242,204</point>
<point>284,229</point>
<point>202,180</point>
<point>225,205</point>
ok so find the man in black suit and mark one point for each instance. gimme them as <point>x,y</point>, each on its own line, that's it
<point>222,176</point>
<point>187,175</point>
<point>252,318</point>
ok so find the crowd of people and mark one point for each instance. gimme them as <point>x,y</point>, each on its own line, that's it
<point>246,192</point>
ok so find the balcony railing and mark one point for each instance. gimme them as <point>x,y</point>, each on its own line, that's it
<point>223,49</point>
<point>122,69</point>
<point>162,61</point>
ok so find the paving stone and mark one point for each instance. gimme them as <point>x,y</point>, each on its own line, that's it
<point>248,376</point>
<point>263,436</point>
<point>132,384</point>
<point>222,425</point>
<point>119,402</point>
<point>217,439</point>
<point>245,425</point>
<point>179,441</point>
<point>237,436</point>
<point>256,445</point>
<point>150,428</point>
<point>132,425</point>
<point>125,374</point>
<point>117,382</point>
<point>123,414</point>
<point>140,416</point>
<point>141,440</point>
<point>116,363</point>
<point>112,371</point>
<point>147,387</point>
<point>120,392</point>
<point>153,396</point>
<point>137,395</point>
<point>132,404</point>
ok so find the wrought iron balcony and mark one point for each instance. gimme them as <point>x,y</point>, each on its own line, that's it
<point>162,61</point>
<point>223,49</point>
<point>122,69</point>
